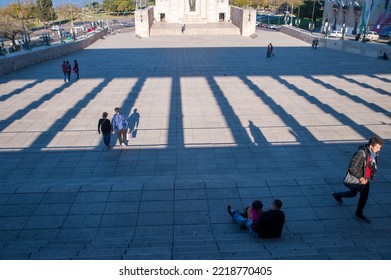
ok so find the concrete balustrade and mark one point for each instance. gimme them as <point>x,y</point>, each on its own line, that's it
<point>23,59</point>
<point>367,49</point>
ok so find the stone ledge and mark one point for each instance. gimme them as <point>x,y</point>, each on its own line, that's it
<point>25,59</point>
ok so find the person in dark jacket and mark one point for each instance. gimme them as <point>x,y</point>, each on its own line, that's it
<point>269,224</point>
<point>76,68</point>
<point>363,166</point>
<point>64,68</point>
<point>104,125</point>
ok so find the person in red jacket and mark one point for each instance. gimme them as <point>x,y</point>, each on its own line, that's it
<point>363,166</point>
<point>64,68</point>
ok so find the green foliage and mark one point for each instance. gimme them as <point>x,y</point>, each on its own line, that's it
<point>118,6</point>
<point>45,11</point>
<point>10,25</point>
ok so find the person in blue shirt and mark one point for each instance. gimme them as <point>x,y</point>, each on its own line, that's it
<point>120,125</point>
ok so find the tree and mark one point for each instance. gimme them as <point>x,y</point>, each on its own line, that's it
<point>118,6</point>
<point>307,8</point>
<point>250,3</point>
<point>10,27</point>
<point>68,11</point>
<point>45,10</point>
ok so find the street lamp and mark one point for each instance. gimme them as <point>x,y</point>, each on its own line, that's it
<point>25,39</point>
<point>45,34</point>
<point>312,20</point>
<point>343,31</point>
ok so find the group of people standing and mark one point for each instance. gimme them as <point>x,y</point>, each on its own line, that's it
<point>67,70</point>
<point>119,124</point>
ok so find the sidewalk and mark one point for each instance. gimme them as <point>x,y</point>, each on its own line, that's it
<point>219,124</point>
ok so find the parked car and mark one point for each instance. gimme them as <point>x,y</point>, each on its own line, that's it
<point>44,38</point>
<point>78,26</point>
<point>66,34</point>
<point>336,34</point>
<point>114,21</point>
<point>127,24</point>
<point>55,28</point>
<point>273,26</point>
<point>371,36</point>
<point>91,29</point>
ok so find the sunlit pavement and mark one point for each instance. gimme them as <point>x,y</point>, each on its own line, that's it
<point>220,124</point>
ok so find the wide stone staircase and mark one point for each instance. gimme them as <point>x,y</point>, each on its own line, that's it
<point>184,218</point>
<point>215,29</point>
<point>373,245</point>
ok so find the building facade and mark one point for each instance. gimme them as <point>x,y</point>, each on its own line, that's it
<point>357,16</point>
<point>191,11</point>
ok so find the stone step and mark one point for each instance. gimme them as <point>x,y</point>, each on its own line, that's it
<point>215,29</point>
<point>338,244</point>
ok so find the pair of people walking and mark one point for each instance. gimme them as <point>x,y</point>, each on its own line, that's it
<point>269,52</point>
<point>67,70</point>
<point>120,125</point>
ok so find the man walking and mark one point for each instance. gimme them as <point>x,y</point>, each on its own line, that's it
<point>120,125</point>
<point>363,166</point>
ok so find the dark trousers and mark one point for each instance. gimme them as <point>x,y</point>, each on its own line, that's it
<point>106,138</point>
<point>363,197</point>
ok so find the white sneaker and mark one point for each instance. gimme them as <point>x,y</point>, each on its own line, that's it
<point>123,144</point>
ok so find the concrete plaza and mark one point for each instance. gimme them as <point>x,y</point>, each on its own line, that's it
<point>220,124</point>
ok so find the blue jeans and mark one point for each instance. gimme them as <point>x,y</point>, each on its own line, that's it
<point>106,139</point>
<point>243,221</point>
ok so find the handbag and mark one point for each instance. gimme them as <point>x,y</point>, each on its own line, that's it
<point>129,135</point>
<point>352,182</point>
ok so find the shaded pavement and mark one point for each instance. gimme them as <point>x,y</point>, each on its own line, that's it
<point>219,124</point>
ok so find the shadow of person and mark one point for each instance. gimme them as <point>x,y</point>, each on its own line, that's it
<point>134,121</point>
<point>255,133</point>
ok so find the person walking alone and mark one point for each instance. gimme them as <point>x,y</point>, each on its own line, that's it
<point>104,125</point>
<point>76,69</point>
<point>363,166</point>
<point>120,125</point>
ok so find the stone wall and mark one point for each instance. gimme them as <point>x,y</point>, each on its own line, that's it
<point>244,19</point>
<point>23,59</point>
<point>350,46</point>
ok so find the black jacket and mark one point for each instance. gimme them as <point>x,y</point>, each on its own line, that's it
<point>104,125</point>
<point>270,224</point>
<point>359,161</point>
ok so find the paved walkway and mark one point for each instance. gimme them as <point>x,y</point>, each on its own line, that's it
<point>219,124</point>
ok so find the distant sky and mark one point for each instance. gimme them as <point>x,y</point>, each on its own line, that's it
<point>55,2</point>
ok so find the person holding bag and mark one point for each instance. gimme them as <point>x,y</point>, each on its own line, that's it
<point>362,169</point>
<point>120,125</point>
